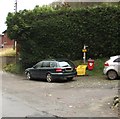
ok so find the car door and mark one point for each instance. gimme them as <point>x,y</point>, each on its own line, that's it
<point>36,72</point>
<point>44,69</point>
<point>118,60</point>
<point>117,65</point>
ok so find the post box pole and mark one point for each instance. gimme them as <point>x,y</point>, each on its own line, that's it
<point>84,54</point>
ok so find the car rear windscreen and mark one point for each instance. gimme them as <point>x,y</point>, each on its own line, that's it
<point>64,64</point>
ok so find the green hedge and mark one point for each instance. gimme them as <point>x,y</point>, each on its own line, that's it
<point>62,33</point>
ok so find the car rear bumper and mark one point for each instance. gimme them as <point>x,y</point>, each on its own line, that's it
<point>105,71</point>
<point>63,76</point>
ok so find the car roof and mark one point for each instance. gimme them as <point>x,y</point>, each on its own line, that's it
<point>115,57</point>
<point>56,60</point>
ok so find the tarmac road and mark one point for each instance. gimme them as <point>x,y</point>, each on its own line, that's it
<point>86,96</point>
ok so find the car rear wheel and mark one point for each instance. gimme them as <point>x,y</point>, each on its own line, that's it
<point>49,77</point>
<point>112,74</point>
<point>28,76</point>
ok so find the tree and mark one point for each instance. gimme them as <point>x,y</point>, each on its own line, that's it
<point>48,33</point>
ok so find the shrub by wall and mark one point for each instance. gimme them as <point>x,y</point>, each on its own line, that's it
<point>47,33</point>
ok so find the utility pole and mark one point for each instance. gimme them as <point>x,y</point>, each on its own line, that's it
<point>14,46</point>
<point>15,6</point>
<point>15,42</point>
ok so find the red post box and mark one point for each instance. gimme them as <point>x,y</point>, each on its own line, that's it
<point>90,64</point>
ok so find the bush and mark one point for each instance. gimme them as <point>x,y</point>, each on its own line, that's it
<point>13,68</point>
<point>50,33</point>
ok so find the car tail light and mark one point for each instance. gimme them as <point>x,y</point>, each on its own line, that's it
<point>58,70</point>
<point>106,64</point>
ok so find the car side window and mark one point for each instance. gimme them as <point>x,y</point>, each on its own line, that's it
<point>38,65</point>
<point>117,60</point>
<point>46,64</point>
<point>53,64</point>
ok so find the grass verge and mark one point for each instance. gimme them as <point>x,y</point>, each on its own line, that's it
<point>7,52</point>
<point>13,68</point>
<point>98,67</point>
<point>97,71</point>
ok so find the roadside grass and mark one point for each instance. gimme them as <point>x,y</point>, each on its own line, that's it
<point>13,68</point>
<point>97,71</point>
<point>98,67</point>
<point>7,52</point>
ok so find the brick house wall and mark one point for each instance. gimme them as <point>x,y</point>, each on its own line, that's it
<point>6,40</point>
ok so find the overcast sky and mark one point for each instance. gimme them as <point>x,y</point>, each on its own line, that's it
<point>8,6</point>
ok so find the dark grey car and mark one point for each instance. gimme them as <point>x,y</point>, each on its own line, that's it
<point>52,70</point>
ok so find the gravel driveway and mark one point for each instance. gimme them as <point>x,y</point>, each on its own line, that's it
<point>86,96</point>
